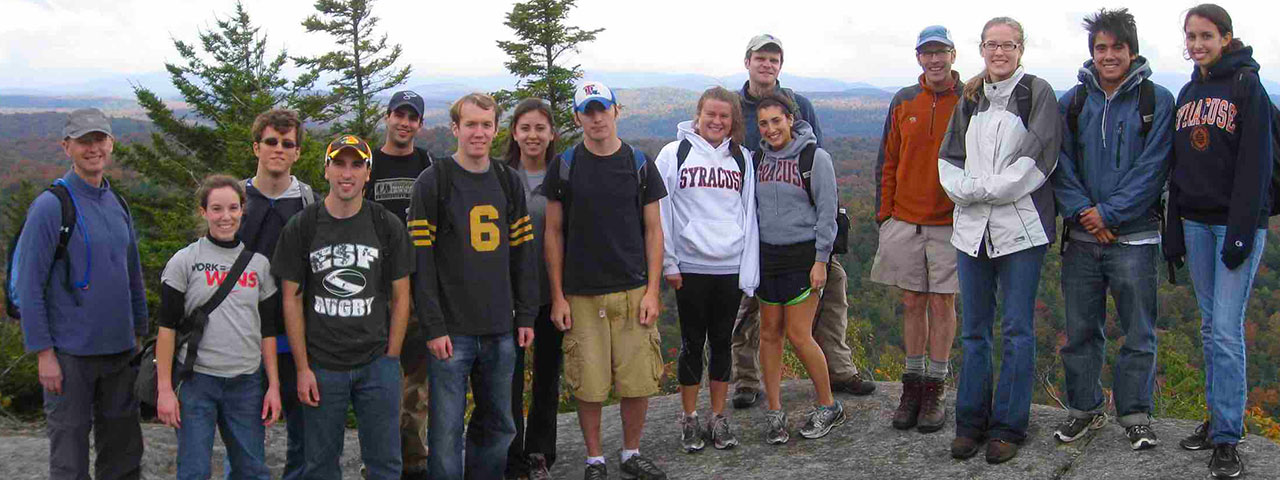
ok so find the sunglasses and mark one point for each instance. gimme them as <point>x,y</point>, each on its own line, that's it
<point>271,142</point>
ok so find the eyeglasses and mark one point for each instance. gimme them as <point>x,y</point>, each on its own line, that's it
<point>1006,46</point>
<point>271,142</point>
<point>934,53</point>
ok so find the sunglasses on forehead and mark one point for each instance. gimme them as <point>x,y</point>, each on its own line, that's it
<point>271,142</point>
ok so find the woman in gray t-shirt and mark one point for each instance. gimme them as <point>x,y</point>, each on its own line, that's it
<point>224,387</point>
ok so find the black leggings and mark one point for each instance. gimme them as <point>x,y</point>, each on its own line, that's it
<point>707,305</point>
<point>537,434</point>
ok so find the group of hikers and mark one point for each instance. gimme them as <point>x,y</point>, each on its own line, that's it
<point>419,278</point>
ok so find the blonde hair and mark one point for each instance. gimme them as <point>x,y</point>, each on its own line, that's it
<point>481,100</point>
<point>738,130</point>
<point>973,87</point>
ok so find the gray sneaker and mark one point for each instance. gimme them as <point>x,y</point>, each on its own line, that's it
<point>776,432</point>
<point>691,433</point>
<point>721,437</point>
<point>822,420</point>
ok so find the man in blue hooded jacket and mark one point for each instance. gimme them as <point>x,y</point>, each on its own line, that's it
<point>1107,186</point>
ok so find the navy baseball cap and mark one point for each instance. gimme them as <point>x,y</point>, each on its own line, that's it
<point>935,33</point>
<point>403,98</point>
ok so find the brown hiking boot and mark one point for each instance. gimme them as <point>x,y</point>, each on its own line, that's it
<point>963,448</point>
<point>933,412</point>
<point>909,405</point>
<point>1000,451</point>
<point>853,385</point>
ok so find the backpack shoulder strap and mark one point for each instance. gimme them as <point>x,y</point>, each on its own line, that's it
<point>736,152</point>
<point>806,169</point>
<point>424,159</point>
<point>308,194</point>
<point>443,169</point>
<point>1147,104</point>
<point>506,179</point>
<point>642,175</point>
<point>67,224</point>
<point>1022,93</point>
<point>682,153</point>
<point>756,159</point>
<point>1078,96</point>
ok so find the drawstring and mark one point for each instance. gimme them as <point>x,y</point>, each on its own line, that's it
<point>918,230</point>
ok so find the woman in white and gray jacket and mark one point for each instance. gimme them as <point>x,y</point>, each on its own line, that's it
<point>710,251</point>
<point>994,163</point>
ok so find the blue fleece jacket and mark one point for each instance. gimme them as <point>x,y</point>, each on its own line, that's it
<point>1109,163</point>
<point>105,316</point>
<point>1222,152</point>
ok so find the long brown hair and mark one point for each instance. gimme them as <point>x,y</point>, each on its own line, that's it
<point>513,148</point>
<point>974,86</point>
<point>1220,18</point>
<point>737,131</point>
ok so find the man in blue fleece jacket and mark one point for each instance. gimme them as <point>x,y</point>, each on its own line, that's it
<point>85,327</point>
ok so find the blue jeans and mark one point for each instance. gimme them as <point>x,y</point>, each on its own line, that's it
<point>487,362</point>
<point>373,390</point>
<point>1223,295</point>
<point>1016,277</point>
<point>1129,271</point>
<point>234,407</point>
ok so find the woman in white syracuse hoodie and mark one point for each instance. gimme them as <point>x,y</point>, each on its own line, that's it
<point>711,250</point>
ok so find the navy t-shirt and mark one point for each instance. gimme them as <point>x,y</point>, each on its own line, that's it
<point>604,227</point>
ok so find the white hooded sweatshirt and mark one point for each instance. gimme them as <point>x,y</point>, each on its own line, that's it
<point>709,213</point>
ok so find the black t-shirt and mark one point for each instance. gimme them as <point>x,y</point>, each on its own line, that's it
<point>475,261</point>
<point>391,180</point>
<point>346,309</point>
<point>604,228</point>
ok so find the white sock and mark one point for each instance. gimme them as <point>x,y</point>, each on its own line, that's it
<point>595,460</point>
<point>627,454</point>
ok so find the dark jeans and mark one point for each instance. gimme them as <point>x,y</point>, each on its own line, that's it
<point>539,436</point>
<point>294,459</point>
<point>97,394</point>
<point>374,392</point>
<point>486,362</point>
<point>1129,271</point>
<point>707,305</point>
<point>232,406</point>
<point>1015,278</point>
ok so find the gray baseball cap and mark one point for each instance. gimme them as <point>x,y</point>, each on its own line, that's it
<point>85,121</point>
<point>759,41</point>
<point>935,33</point>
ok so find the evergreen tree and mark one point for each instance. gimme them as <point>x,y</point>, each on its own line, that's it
<point>538,59</point>
<point>364,65</point>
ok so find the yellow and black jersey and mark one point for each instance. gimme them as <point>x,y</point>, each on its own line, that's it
<point>474,252</point>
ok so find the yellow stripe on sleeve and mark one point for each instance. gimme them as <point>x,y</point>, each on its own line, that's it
<point>518,241</point>
<point>421,233</point>
<point>522,230</point>
<point>520,222</point>
<point>422,223</point>
<point>422,243</point>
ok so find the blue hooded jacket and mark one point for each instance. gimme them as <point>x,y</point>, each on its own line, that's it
<point>1109,163</point>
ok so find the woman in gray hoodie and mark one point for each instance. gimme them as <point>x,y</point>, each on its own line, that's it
<point>796,211</point>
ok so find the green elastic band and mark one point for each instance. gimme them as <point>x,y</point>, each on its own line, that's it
<point>799,299</point>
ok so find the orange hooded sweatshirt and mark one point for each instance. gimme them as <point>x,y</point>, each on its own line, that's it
<point>907,186</point>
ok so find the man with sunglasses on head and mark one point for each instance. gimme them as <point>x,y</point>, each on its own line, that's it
<point>345,265</point>
<point>272,196</point>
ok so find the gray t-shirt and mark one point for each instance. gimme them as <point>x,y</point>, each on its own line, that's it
<point>536,202</point>
<point>232,342</point>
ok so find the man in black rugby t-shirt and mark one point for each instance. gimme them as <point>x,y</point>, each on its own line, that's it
<point>395,166</point>
<point>473,241</point>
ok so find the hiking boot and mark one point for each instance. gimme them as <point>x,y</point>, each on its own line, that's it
<point>822,420</point>
<point>721,437</point>
<point>933,412</point>
<point>1000,451</point>
<point>538,467</point>
<point>1141,437</point>
<point>853,385</point>
<point>1074,428</point>
<point>641,468</point>
<point>596,471</point>
<point>745,397</point>
<point>1225,462</point>
<point>691,433</point>
<point>964,448</point>
<point>1198,440</point>
<point>904,418</point>
<point>776,431</point>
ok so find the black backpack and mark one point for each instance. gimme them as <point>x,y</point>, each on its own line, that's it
<point>506,178</point>
<point>60,190</point>
<point>841,245</point>
<point>683,152</point>
<point>1239,91</point>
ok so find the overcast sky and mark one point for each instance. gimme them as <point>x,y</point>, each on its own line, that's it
<point>47,42</point>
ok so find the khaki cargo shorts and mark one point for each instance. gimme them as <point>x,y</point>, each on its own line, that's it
<point>919,258</point>
<point>607,348</point>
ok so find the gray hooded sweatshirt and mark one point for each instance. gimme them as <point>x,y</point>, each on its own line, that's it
<point>782,206</point>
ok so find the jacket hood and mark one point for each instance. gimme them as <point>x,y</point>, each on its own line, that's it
<point>801,135</point>
<point>684,131</point>
<point>1139,70</point>
<point>1228,64</point>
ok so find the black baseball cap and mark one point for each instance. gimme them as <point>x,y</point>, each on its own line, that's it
<point>406,97</point>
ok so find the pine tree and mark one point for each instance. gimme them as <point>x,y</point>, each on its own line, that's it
<point>365,65</point>
<point>538,59</point>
